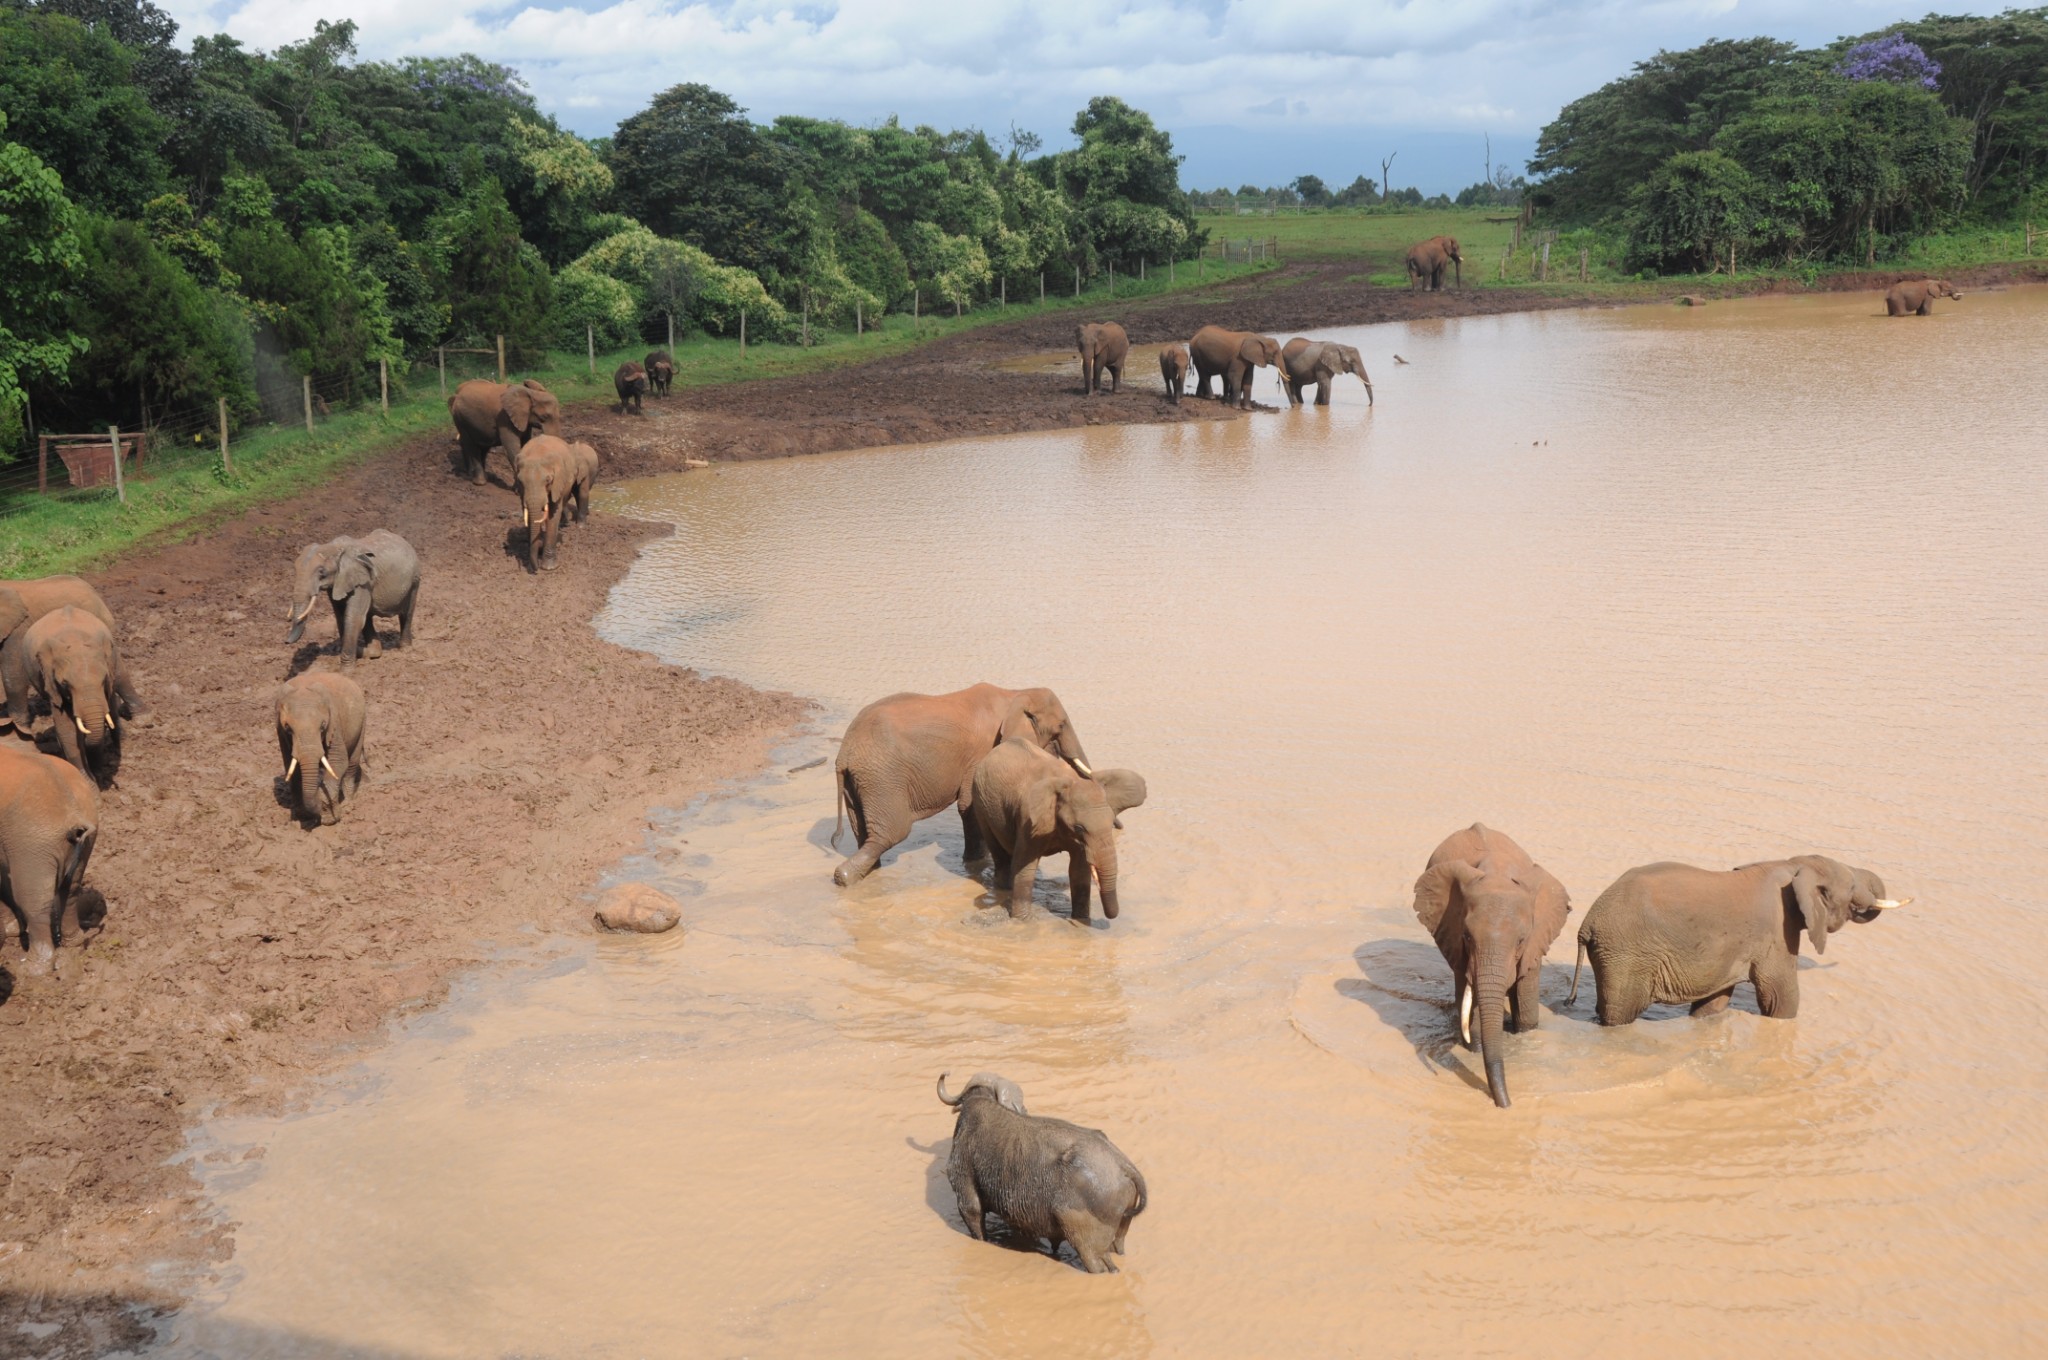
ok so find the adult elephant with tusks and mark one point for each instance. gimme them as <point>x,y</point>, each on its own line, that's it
<point>377,575</point>
<point>552,473</point>
<point>22,603</point>
<point>1320,362</point>
<point>72,664</point>
<point>1104,346</point>
<point>1493,912</point>
<point>1232,356</point>
<point>320,719</point>
<point>507,415</point>
<point>912,756</point>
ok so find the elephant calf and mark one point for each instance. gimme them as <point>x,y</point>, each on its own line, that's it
<point>49,819</point>
<point>1173,367</point>
<point>320,719</point>
<point>1049,1179</point>
<point>1104,347</point>
<point>1029,805</point>
<point>661,371</point>
<point>375,576</point>
<point>1916,298</point>
<point>1671,933</point>
<point>72,663</point>
<point>631,382</point>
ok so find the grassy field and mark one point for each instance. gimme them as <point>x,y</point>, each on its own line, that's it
<point>187,485</point>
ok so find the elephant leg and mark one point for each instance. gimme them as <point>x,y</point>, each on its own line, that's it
<point>1023,877</point>
<point>35,895</point>
<point>1527,1003</point>
<point>412,598</point>
<point>1116,379</point>
<point>999,860</point>
<point>342,648</point>
<point>1323,392</point>
<point>1713,1005</point>
<point>1081,885</point>
<point>885,831</point>
<point>1621,999</point>
<point>973,847</point>
<point>1777,987</point>
<point>352,619</point>
<point>1293,391</point>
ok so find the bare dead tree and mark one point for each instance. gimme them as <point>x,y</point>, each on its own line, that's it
<point>1386,164</point>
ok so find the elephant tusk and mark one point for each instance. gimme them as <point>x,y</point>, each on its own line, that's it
<point>1082,766</point>
<point>329,768</point>
<point>110,722</point>
<point>83,730</point>
<point>292,768</point>
<point>1465,1018</point>
<point>526,517</point>
<point>1884,903</point>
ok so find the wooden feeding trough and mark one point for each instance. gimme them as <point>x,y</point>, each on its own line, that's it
<point>88,458</point>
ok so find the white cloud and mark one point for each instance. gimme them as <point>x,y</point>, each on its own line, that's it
<point>1319,69</point>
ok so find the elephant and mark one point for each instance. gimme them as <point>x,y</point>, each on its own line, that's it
<point>1428,259</point>
<point>1173,367</point>
<point>1029,805</point>
<point>1916,298</point>
<point>630,380</point>
<point>1104,347</point>
<point>1676,934</point>
<point>1493,912</point>
<point>21,604</point>
<point>912,756</point>
<point>72,663</point>
<point>551,472</point>
<point>661,371</point>
<point>1049,1179</point>
<point>49,820</point>
<point>585,463</point>
<point>377,575</point>
<point>505,414</point>
<point>1232,355</point>
<point>1320,362</point>
<point>320,738</point>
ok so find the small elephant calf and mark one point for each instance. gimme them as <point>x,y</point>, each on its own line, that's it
<point>1048,1179</point>
<point>1916,297</point>
<point>320,718</point>
<point>1029,804</point>
<point>1173,367</point>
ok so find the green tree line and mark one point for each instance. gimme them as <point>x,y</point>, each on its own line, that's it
<point>1844,153</point>
<point>180,223</point>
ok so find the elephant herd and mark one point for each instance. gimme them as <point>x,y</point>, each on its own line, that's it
<point>1226,356</point>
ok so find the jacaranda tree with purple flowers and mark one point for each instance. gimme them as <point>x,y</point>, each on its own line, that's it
<point>1891,58</point>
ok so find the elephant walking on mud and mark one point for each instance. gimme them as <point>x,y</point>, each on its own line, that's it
<point>502,414</point>
<point>72,663</point>
<point>1427,261</point>
<point>375,576</point>
<point>320,719</point>
<point>912,756</point>
<point>552,474</point>
<point>1493,912</point>
<point>1232,356</point>
<point>1916,298</point>
<point>1104,347</point>
<point>22,603</point>
<point>1051,1180</point>
<point>1670,933</point>
<point>1029,805</point>
<point>49,819</point>
<point>1320,362</point>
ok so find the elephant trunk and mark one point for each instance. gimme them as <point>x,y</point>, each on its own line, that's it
<point>1492,999</point>
<point>1102,863</point>
<point>297,617</point>
<point>308,756</point>
<point>91,713</point>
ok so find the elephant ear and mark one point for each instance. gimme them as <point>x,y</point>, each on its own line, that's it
<point>1125,789</point>
<point>1811,906</point>
<point>1039,808</point>
<point>517,404</point>
<point>13,613</point>
<point>352,572</point>
<point>1551,906</point>
<point>1440,902</point>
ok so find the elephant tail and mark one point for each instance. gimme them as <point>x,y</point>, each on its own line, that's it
<point>849,809</point>
<point>1573,995</point>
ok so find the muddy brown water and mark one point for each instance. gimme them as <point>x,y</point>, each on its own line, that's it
<point>1711,585</point>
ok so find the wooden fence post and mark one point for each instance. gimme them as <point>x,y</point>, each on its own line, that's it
<point>1004,295</point>
<point>501,358</point>
<point>916,306</point>
<point>956,309</point>
<point>858,327</point>
<point>671,336</point>
<point>1583,254</point>
<point>1041,287</point>
<point>1505,252</point>
<point>590,344</point>
<point>441,355</point>
<point>114,434</point>
<point>1731,259</point>
<point>743,335</point>
<point>807,318</point>
<point>1077,281</point>
<point>1141,269</point>
<point>383,390</point>
<point>42,464</point>
<point>306,390</point>
<point>1543,269</point>
<point>226,464</point>
<point>1112,280</point>
<point>1169,272</point>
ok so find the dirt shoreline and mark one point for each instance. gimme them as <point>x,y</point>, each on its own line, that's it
<point>513,757</point>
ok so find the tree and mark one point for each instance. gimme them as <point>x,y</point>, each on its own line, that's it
<point>39,262</point>
<point>1386,167</point>
<point>1124,182</point>
<point>1690,209</point>
<point>70,97</point>
<point>1312,191</point>
<point>1361,192</point>
<point>495,283</point>
<point>692,167</point>
<point>1994,73</point>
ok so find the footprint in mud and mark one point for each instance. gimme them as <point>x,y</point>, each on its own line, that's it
<point>1393,1017</point>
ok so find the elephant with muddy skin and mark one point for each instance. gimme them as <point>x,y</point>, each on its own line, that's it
<point>1050,1180</point>
<point>72,663</point>
<point>320,719</point>
<point>1173,370</point>
<point>912,756</point>
<point>49,820</point>
<point>1916,298</point>
<point>661,371</point>
<point>552,474</point>
<point>1427,261</point>
<point>1671,933</point>
<point>22,603</point>
<point>1493,912</point>
<point>377,575</point>
<point>504,414</point>
<point>1320,362</point>
<point>1104,346</point>
<point>1232,356</point>
<point>1029,804</point>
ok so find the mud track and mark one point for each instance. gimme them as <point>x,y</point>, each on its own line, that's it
<point>512,756</point>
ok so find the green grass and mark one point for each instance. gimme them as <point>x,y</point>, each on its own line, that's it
<point>186,486</point>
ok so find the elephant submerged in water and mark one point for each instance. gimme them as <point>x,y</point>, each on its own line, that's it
<point>49,820</point>
<point>912,756</point>
<point>1232,356</point>
<point>507,415</point>
<point>375,576</point>
<point>1493,912</point>
<point>1029,804</point>
<point>1671,933</point>
<point>1049,1179</point>
<point>1320,362</point>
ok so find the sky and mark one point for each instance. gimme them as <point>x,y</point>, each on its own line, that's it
<point>1251,93</point>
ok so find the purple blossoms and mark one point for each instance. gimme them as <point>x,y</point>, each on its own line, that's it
<point>1890,58</point>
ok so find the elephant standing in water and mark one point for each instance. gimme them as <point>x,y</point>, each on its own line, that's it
<point>1493,912</point>
<point>1173,368</point>
<point>377,575</point>
<point>1029,805</point>
<point>1427,261</point>
<point>504,414</point>
<point>912,756</point>
<point>1670,933</point>
<point>1049,1179</point>
<point>23,602</point>
<point>320,718</point>
<point>1104,347</point>
<point>72,664</point>
<point>49,819</point>
<point>1320,362</point>
<point>1916,298</point>
<point>1232,355</point>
